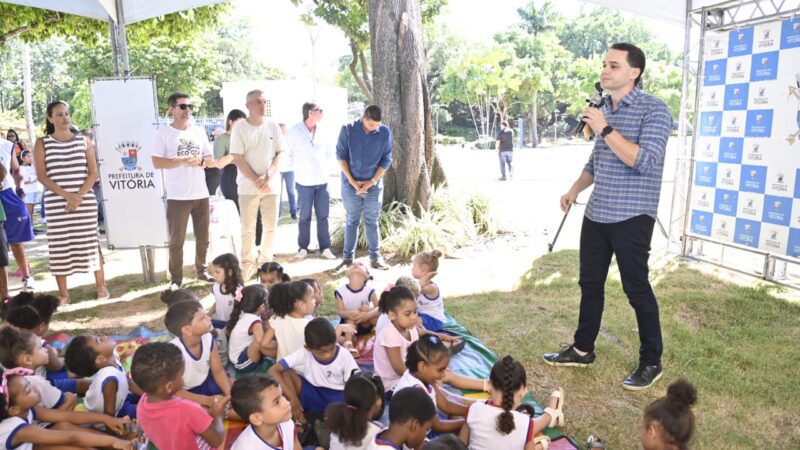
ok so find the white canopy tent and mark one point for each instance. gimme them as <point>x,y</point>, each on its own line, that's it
<point>118,13</point>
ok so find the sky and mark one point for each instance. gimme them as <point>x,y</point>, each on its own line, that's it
<point>284,42</point>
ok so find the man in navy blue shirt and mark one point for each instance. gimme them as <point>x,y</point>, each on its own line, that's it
<point>626,168</point>
<point>364,152</point>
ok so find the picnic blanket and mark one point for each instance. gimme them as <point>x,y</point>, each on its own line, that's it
<point>475,360</point>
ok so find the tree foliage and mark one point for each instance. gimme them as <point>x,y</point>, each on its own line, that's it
<point>36,25</point>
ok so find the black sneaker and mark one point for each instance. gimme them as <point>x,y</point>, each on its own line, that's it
<point>346,262</point>
<point>643,377</point>
<point>568,357</point>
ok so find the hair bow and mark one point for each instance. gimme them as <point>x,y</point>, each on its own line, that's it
<point>388,287</point>
<point>10,373</point>
<point>238,296</point>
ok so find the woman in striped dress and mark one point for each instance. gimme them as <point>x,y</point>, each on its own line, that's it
<point>66,165</point>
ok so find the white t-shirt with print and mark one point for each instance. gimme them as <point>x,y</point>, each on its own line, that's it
<point>28,174</point>
<point>331,375</point>
<point>241,337</point>
<point>223,303</point>
<point>183,182</point>
<point>51,396</point>
<point>354,300</point>
<point>259,145</point>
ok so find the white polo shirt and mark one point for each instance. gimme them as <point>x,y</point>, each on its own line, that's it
<point>332,375</point>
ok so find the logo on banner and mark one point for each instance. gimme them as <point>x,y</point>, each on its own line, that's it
<point>764,66</point>
<point>726,202</point>
<point>710,123</point>
<point>759,123</point>
<point>774,239</point>
<point>706,174</point>
<point>794,240</point>
<point>790,33</point>
<point>778,185</point>
<point>716,47</point>
<point>736,96</point>
<point>715,72</point>
<point>702,201</point>
<point>765,40</point>
<point>747,232</point>
<point>730,150</point>
<point>794,91</point>
<point>754,179</point>
<point>727,179</point>
<point>777,210</point>
<point>749,208</point>
<point>131,175</point>
<point>701,222</point>
<point>740,42</point>
<point>755,153</point>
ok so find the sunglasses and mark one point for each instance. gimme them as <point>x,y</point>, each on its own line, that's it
<point>185,106</point>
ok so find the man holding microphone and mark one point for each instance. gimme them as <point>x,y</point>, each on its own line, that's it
<point>625,167</point>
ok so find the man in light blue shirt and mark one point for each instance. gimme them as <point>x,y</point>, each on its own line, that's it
<point>364,152</point>
<point>309,152</point>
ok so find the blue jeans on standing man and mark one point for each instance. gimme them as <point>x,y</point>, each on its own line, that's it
<point>369,205</point>
<point>506,157</point>
<point>319,198</point>
<point>288,181</point>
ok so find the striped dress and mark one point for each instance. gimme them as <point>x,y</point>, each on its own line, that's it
<point>72,237</point>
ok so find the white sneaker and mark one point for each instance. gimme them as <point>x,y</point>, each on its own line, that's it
<point>27,284</point>
<point>302,253</point>
<point>328,254</point>
<point>174,286</point>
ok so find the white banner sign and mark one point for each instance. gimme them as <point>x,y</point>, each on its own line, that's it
<point>125,113</point>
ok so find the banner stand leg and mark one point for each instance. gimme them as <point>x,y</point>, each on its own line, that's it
<point>145,272</point>
<point>151,262</point>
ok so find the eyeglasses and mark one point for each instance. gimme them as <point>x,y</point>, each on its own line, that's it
<point>185,106</point>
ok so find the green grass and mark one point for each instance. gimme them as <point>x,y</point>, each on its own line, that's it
<point>738,345</point>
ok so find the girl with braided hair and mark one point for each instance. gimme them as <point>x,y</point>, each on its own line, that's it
<point>426,366</point>
<point>496,422</point>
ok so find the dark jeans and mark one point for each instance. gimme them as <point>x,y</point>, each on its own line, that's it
<point>287,178</point>
<point>213,176</point>
<point>318,198</point>
<point>629,240</point>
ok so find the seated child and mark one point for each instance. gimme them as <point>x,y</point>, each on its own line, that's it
<point>171,422</point>
<point>411,414</point>
<point>248,341</point>
<point>204,376</point>
<point>108,393</point>
<point>20,409</point>
<point>22,349</point>
<point>496,423</point>
<point>354,422</point>
<point>227,279</point>
<point>318,296</point>
<point>356,300</point>
<point>313,376</point>
<point>669,421</point>
<point>290,303</point>
<point>392,343</point>
<point>259,401</point>
<point>406,281</point>
<point>33,313</point>
<point>426,365</point>
<point>430,305</point>
<point>271,273</point>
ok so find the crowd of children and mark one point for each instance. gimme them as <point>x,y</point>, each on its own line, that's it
<point>263,357</point>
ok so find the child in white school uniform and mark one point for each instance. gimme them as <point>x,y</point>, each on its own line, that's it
<point>259,401</point>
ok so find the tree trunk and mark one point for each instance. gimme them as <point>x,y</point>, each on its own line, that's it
<point>534,120</point>
<point>400,88</point>
<point>27,95</point>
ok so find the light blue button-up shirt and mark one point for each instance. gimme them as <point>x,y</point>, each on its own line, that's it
<point>622,192</point>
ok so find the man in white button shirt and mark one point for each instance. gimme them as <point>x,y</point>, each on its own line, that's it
<point>310,154</point>
<point>256,146</point>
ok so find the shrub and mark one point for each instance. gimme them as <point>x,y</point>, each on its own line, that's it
<point>390,217</point>
<point>482,217</point>
<point>449,140</point>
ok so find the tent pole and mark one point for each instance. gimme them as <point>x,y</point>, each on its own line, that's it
<point>122,40</point>
<point>112,31</point>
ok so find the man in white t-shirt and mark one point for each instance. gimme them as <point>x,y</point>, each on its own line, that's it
<point>183,152</point>
<point>256,146</point>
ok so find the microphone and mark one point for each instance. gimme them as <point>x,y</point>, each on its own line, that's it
<point>594,102</point>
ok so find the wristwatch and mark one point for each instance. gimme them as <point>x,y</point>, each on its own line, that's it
<point>202,162</point>
<point>606,131</point>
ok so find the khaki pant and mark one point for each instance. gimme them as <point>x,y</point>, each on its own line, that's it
<point>248,208</point>
<point>178,212</point>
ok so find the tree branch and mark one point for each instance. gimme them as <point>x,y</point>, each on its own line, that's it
<point>24,29</point>
<point>353,70</point>
<point>365,69</point>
